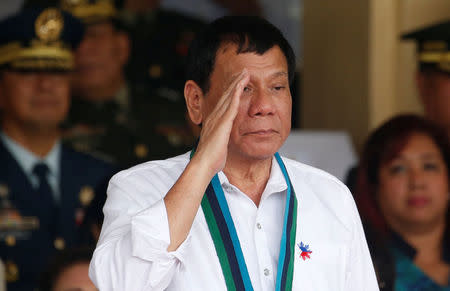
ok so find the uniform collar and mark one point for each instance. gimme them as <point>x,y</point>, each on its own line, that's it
<point>27,160</point>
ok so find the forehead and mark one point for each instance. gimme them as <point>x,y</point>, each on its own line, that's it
<point>229,63</point>
<point>416,143</point>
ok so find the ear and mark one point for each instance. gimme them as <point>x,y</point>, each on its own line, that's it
<point>123,47</point>
<point>193,95</point>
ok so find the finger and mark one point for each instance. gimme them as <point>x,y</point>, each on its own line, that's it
<point>225,99</point>
<point>219,116</point>
<point>224,103</point>
<point>235,99</point>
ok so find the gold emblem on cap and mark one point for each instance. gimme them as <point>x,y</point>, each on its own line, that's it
<point>11,272</point>
<point>10,241</point>
<point>86,195</point>
<point>59,243</point>
<point>49,25</point>
<point>4,191</point>
<point>141,150</point>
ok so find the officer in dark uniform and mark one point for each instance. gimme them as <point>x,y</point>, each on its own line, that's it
<point>111,116</point>
<point>433,76</point>
<point>45,188</point>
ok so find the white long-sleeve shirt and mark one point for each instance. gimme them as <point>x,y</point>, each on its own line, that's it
<point>132,250</point>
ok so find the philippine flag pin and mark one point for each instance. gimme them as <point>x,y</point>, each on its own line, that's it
<point>305,251</point>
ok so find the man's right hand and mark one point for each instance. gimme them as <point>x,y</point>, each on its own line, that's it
<point>212,148</point>
<point>184,198</point>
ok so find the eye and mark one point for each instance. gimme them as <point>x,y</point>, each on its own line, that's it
<point>397,169</point>
<point>247,89</point>
<point>430,166</point>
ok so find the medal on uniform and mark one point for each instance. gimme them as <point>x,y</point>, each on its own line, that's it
<point>226,241</point>
<point>86,195</point>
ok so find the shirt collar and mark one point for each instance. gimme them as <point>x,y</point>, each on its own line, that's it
<point>275,184</point>
<point>27,160</point>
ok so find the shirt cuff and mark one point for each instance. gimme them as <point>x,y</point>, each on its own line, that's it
<point>150,238</point>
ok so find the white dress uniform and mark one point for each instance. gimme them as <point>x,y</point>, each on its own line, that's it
<point>132,251</point>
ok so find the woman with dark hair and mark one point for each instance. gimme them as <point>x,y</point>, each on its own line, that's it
<point>403,193</point>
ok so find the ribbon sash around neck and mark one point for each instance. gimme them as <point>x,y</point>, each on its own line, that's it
<point>226,241</point>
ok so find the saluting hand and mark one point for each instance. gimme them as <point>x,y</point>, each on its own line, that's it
<point>216,128</point>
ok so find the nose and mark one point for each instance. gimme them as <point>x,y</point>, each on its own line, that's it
<point>47,81</point>
<point>85,48</point>
<point>417,178</point>
<point>262,104</point>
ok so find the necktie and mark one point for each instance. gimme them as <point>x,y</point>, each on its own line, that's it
<point>44,191</point>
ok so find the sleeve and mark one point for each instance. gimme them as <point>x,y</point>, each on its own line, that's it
<point>132,251</point>
<point>360,272</point>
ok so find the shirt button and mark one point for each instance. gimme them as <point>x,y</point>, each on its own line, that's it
<point>266,272</point>
<point>258,225</point>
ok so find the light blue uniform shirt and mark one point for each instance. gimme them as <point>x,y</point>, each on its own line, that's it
<point>27,160</point>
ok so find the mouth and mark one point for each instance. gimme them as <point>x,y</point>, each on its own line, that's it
<point>262,132</point>
<point>418,201</point>
<point>47,103</point>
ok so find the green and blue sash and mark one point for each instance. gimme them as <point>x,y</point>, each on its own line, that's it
<point>226,241</point>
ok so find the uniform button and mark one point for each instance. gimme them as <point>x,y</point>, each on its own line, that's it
<point>10,241</point>
<point>258,225</point>
<point>59,243</point>
<point>266,272</point>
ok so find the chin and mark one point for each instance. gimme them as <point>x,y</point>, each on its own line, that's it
<point>260,151</point>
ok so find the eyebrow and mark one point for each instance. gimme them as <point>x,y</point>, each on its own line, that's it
<point>426,155</point>
<point>279,74</point>
<point>274,75</point>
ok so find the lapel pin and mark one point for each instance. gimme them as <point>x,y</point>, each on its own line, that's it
<point>305,252</point>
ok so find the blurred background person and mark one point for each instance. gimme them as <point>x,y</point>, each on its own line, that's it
<point>68,271</point>
<point>403,195</point>
<point>433,76</point>
<point>160,40</point>
<point>110,115</point>
<point>45,188</point>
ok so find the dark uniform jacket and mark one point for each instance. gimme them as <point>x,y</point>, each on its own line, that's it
<point>30,232</point>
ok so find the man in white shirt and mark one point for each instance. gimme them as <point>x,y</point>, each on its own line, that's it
<point>234,215</point>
